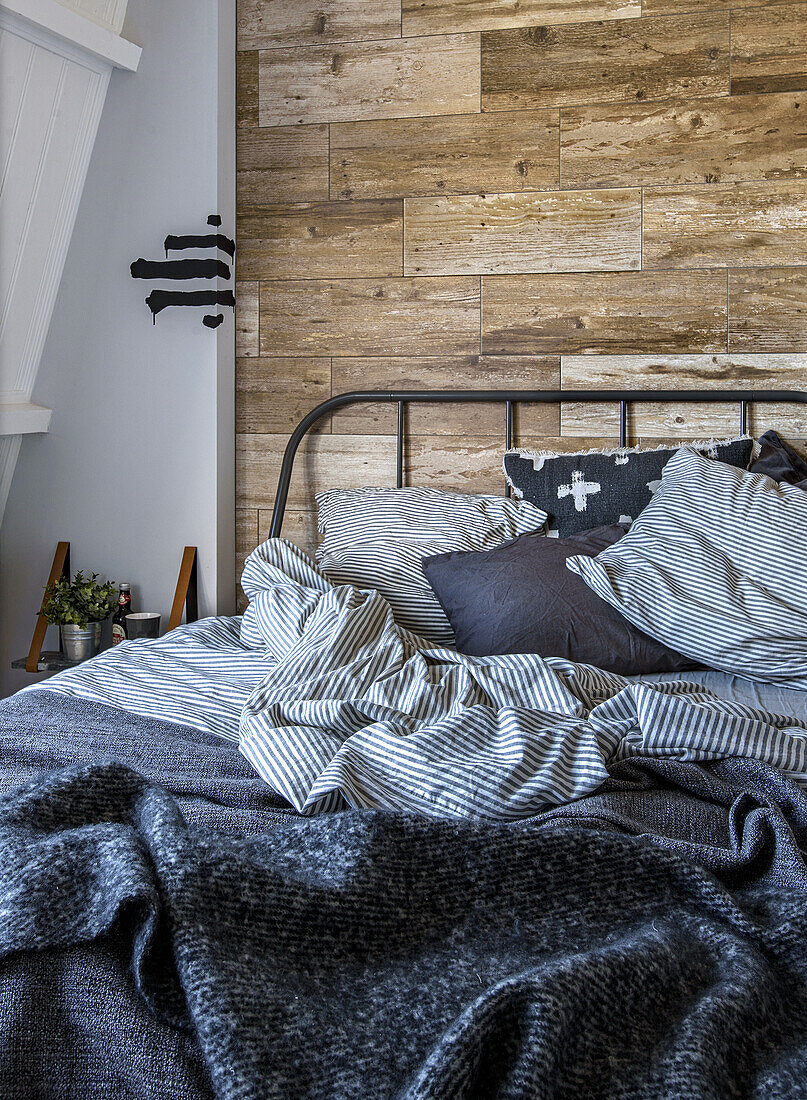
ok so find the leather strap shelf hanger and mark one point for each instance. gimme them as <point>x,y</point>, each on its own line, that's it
<point>60,568</point>
<point>186,594</point>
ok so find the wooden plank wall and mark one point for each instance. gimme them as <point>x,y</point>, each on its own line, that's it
<point>478,193</point>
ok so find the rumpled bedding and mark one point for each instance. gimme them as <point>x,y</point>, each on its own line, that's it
<point>357,712</point>
<point>337,706</point>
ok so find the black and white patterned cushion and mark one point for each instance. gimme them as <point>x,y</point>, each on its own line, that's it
<point>378,538</point>
<point>716,568</point>
<point>599,488</point>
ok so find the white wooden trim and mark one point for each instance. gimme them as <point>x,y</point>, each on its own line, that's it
<point>22,418</point>
<point>59,62</point>
<point>74,178</point>
<point>108,13</point>
<point>68,29</point>
<point>9,450</point>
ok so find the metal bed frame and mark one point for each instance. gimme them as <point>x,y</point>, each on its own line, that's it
<point>510,399</point>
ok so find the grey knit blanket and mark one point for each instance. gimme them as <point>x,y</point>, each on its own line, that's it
<point>167,929</point>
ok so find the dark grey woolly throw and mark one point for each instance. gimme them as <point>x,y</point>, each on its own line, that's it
<point>646,942</point>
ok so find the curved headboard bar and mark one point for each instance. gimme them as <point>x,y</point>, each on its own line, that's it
<point>508,398</point>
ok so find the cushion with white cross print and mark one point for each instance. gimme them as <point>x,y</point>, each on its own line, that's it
<point>597,488</point>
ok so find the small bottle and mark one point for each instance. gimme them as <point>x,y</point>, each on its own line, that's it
<point>119,618</point>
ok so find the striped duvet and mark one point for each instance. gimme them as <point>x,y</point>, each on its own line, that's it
<point>336,705</point>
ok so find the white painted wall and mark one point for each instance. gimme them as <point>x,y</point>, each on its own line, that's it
<point>139,458</point>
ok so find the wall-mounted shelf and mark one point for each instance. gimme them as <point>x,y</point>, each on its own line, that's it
<point>185,599</point>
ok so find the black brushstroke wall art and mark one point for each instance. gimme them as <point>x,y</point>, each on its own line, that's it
<point>190,268</point>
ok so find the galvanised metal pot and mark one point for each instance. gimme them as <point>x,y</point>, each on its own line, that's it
<point>80,642</point>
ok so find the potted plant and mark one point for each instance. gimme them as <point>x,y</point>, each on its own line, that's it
<point>79,607</point>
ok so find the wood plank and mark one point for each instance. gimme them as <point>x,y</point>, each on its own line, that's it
<point>447,16</point>
<point>457,373</point>
<point>700,372</point>
<point>683,372</point>
<point>370,316</point>
<point>281,164</point>
<point>469,465</point>
<point>246,539</point>
<point>722,140</point>
<point>263,24</point>
<point>768,310</point>
<point>566,444</point>
<point>624,60</point>
<point>545,231</point>
<point>732,225</point>
<point>321,239</point>
<point>769,49</point>
<point>671,7</point>
<point>672,420</point>
<point>616,313</point>
<point>669,424</point>
<point>246,319</point>
<point>455,154</point>
<point>392,79</point>
<point>246,88</point>
<point>274,394</point>
<point>299,527</point>
<point>323,461</point>
<point>788,419</point>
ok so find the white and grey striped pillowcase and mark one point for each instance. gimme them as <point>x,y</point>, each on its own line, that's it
<point>377,539</point>
<point>715,567</point>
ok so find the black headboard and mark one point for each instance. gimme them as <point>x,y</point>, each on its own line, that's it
<point>510,399</point>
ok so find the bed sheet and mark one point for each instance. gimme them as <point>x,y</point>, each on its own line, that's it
<point>773,698</point>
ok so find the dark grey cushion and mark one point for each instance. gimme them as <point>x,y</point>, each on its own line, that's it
<point>592,489</point>
<point>521,598</point>
<point>779,461</point>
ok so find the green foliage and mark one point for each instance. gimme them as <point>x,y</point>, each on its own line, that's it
<point>80,601</point>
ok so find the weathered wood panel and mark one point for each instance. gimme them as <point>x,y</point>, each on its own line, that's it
<point>670,7</point>
<point>624,60</point>
<point>769,49</point>
<point>281,164</point>
<point>246,539</point>
<point>246,319</point>
<point>321,239</point>
<point>616,313</point>
<point>683,372</point>
<point>469,465</point>
<point>669,420</point>
<point>614,100</point>
<point>370,316</point>
<point>768,310</point>
<point>393,79</point>
<point>455,154</point>
<point>324,461</point>
<point>789,419</point>
<point>547,231</point>
<point>299,527</point>
<point>246,88</point>
<point>449,16</point>
<point>698,372</point>
<point>720,140</point>
<point>273,395</point>
<point>451,373</point>
<point>263,24</point>
<point>737,225</point>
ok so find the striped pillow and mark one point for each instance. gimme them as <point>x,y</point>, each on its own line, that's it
<point>378,538</point>
<point>716,568</point>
